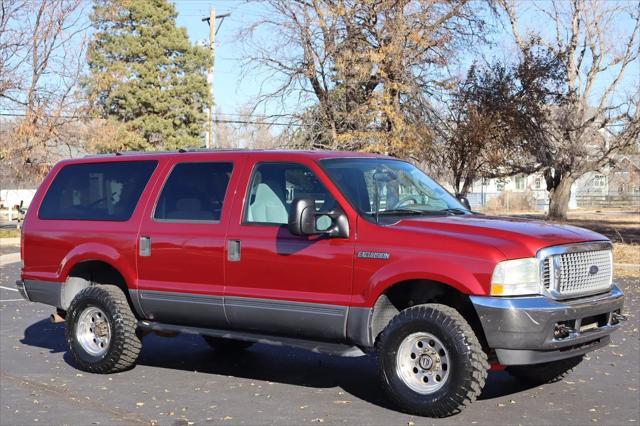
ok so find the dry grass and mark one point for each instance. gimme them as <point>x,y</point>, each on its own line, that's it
<point>622,226</point>
<point>627,256</point>
<point>619,225</point>
<point>9,233</point>
<point>626,253</point>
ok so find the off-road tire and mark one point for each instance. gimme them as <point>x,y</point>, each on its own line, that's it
<point>227,345</point>
<point>548,372</point>
<point>124,346</point>
<point>469,365</point>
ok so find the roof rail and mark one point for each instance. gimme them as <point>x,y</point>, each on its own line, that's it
<point>118,154</point>
<point>212,149</point>
<point>179,150</point>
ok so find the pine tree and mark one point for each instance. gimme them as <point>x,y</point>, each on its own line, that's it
<point>146,74</point>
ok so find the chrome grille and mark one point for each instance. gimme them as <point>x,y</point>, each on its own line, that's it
<point>546,274</point>
<point>580,273</point>
<point>576,270</point>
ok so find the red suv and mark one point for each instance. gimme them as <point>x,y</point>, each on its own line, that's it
<point>335,252</point>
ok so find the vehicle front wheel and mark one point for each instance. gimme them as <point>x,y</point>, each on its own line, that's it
<point>547,372</point>
<point>100,329</point>
<point>430,361</point>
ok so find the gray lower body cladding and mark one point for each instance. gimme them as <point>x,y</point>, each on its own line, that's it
<point>521,329</point>
<point>181,308</point>
<point>326,322</point>
<point>47,292</point>
<point>334,323</point>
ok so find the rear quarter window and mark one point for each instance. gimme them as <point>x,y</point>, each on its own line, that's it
<point>96,191</point>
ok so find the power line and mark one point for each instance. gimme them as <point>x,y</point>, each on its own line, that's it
<point>216,120</point>
<point>265,123</point>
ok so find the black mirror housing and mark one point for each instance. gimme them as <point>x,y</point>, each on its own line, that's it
<point>302,217</point>
<point>302,220</point>
<point>464,201</point>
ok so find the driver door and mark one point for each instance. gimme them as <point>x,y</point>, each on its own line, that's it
<point>281,283</point>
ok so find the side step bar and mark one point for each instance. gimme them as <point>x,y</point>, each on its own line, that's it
<point>310,345</point>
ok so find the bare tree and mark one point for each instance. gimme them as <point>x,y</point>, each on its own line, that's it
<point>249,131</point>
<point>359,64</point>
<point>43,53</point>
<point>489,124</point>
<point>599,44</point>
<point>13,38</point>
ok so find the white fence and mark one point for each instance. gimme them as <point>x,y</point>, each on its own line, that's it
<point>479,200</point>
<point>580,200</point>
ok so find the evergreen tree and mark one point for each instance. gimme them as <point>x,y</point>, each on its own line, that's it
<point>146,74</point>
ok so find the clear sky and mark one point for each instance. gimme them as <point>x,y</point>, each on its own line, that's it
<point>231,93</point>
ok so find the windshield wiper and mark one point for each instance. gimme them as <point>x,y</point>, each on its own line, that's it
<point>402,211</point>
<point>456,210</point>
<point>416,212</point>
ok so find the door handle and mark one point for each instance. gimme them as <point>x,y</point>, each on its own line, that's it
<point>145,246</point>
<point>233,250</point>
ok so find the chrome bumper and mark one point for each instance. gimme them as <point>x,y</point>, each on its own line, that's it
<point>531,330</point>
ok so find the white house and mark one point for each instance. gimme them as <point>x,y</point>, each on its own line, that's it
<point>621,181</point>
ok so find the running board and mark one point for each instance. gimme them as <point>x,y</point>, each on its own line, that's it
<point>310,345</point>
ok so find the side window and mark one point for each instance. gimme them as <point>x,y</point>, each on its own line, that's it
<point>96,191</point>
<point>274,186</point>
<point>194,191</point>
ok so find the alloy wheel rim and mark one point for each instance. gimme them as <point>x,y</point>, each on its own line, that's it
<point>422,363</point>
<point>93,331</point>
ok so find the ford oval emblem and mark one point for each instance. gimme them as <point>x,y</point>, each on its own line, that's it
<point>593,269</point>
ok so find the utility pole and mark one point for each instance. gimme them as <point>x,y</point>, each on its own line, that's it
<point>211,20</point>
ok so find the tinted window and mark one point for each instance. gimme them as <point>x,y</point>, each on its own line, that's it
<point>96,191</point>
<point>194,191</point>
<point>389,187</point>
<point>274,186</point>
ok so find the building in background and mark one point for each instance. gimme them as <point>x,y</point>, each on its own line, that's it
<point>613,187</point>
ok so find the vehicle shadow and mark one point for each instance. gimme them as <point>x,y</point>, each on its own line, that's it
<point>47,335</point>
<point>356,376</point>
<point>287,244</point>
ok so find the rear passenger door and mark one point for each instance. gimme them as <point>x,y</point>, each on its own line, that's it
<point>182,241</point>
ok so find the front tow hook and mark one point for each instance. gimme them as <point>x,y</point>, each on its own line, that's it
<point>618,317</point>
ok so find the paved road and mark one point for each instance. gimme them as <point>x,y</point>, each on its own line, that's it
<point>181,381</point>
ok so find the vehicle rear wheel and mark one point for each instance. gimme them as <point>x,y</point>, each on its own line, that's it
<point>222,344</point>
<point>430,362</point>
<point>100,329</point>
<point>548,372</point>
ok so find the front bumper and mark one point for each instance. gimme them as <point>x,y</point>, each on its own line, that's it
<point>523,330</point>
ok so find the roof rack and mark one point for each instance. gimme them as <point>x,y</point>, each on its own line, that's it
<point>179,150</point>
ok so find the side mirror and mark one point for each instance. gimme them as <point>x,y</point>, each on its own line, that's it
<point>464,201</point>
<point>304,220</point>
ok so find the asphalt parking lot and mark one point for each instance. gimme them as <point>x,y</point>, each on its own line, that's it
<point>181,381</point>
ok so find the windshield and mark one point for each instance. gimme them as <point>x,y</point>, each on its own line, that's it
<point>380,187</point>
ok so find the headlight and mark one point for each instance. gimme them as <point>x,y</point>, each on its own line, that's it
<point>517,277</point>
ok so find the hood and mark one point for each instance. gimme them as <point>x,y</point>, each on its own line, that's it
<point>514,237</point>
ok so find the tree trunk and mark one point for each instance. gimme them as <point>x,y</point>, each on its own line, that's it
<point>466,186</point>
<point>559,199</point>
